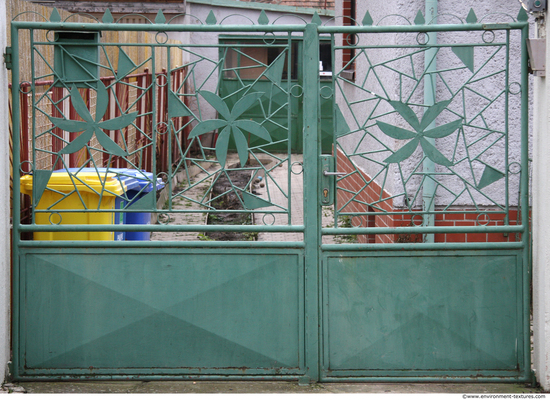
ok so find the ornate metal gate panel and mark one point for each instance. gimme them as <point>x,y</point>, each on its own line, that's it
<point>197,137</point>
<point>439,278</point>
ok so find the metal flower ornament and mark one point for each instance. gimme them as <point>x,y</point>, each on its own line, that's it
<point>232,126</point>
<point>91,126</point>
<point>420,134</point>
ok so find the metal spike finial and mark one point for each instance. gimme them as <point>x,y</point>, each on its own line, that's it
<point>472,17</point>
<point>107,17</point>
<point>419,20</point>
<point>522,15</point>
<point>263,20</point>
<point>316,19</point>
<point>367,19</point>
<point>160,18</point>
<point>55,16</point>
<point>211,19</point>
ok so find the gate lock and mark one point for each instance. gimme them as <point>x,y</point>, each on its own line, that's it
<point>328,183</point>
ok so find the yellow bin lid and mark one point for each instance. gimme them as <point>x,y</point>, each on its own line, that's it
<point>92,182</point>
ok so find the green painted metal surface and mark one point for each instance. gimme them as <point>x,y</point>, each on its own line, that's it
<point>163,311</point>
<point>300,309</point>
<point>425,312</point>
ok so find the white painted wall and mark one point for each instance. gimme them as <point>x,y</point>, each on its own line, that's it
<point>4,207</point>
<point>541,226</point>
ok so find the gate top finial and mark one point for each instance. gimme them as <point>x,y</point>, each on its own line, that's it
<point>55,16</point>
<point>107,17</point>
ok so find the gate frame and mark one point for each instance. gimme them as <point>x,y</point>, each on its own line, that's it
<point>313,233</point>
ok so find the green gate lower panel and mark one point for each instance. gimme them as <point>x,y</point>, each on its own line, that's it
<point>161,311</point>
<point>422,314</point>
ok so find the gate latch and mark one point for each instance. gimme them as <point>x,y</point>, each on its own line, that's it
<point>7,58</point>
<point>328,183</point>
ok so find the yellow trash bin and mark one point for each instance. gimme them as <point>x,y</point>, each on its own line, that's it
<point>77,192</point>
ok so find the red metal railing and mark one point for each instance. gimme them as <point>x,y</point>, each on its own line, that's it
<point>134,88</point>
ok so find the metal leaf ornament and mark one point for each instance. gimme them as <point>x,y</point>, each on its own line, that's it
<point>420,134</point>
<point>230,125</point>
<point>90,126</point>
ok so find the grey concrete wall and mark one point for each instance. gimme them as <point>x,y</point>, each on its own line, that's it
<point>4,207</point>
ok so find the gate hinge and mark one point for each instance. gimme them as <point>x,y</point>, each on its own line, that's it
<point>7,58</point>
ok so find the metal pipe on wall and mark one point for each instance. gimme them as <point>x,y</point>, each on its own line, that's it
<point>428,166</point>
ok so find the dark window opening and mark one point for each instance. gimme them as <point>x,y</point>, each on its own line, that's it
<point>249,62</point>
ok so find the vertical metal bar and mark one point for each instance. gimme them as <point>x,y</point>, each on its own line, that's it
<point>524,185</point>
<point>16,112</point>
<point>168,120</point>
<point>507,132</point>
<point>153,123</point>
<point>312,210</point>
<point>290,134</point>
<point>428,166</point>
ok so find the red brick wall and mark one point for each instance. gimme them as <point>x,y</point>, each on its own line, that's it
<point>369,192</point>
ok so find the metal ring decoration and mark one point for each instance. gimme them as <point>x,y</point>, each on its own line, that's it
<point>485,219</point>
<point>31,167</point>
<point>163,218</point>
<point>135,15</point>
<point>295,171</point>
<point>25,84</point>
<point>82,14</point>
<point>329,93</point>
<point>300,93</point>
<point>355,40</point>
<point>171,20</point>
<point>236,15</point>
<point>514,168</point>
<point>48,38</point>
<point>163,176</point>
<point>161,35</point>
<point>55,223</point>
<point>514,88</point>
<point>161,128</point>
<point>289,16</point>
<point>271,40</point>
<point>393,15</point>
<point>422,38</point>
<point>438,18</point>
<point>488,37</point>
<point>415,221</point>
<point>267,221</point>
<point>161,77</point>
<point>356,221</point>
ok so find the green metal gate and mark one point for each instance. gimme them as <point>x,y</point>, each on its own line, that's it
<point>429,288</point>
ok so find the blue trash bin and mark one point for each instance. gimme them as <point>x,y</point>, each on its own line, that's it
<point>144,186</point>
<point>138,184</point>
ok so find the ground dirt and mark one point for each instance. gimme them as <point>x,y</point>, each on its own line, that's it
<point>228,199</point>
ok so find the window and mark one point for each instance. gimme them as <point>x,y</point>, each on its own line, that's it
<point>248,59</point>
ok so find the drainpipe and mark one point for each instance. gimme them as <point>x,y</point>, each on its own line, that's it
<point>429,186</point>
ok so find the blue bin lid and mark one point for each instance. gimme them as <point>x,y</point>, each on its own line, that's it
<point>144,178</point>
<point>134,179</point>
